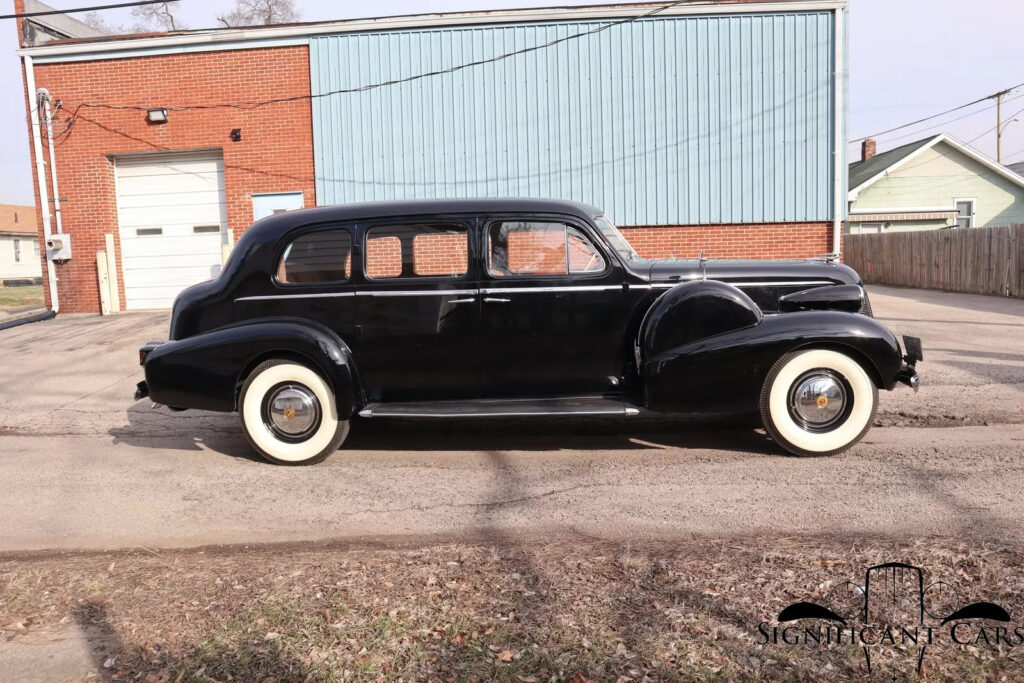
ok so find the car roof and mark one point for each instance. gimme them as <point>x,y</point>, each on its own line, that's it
<point>271,226</point>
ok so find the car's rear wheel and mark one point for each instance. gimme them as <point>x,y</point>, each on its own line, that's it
<point>289,414</point>
<point>818,402</point>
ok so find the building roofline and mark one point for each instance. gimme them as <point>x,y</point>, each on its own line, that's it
<point>55,50</point>
<point>952,142</point>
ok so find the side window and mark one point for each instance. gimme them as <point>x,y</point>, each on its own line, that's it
<point>419,250</point>
<point>540,248</point>
<point>583,256</point>
<point>324,256</point>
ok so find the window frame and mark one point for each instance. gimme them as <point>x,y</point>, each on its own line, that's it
<point>568,222</point>
<point>16,242</point>
<point>467,224</point>
<point>312,230</point>
<point>970,217</point>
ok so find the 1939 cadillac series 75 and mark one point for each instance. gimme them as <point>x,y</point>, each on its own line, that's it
<point>513,307</point>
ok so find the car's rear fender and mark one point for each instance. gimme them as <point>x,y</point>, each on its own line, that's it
<point>206,370</point>
<point>724,373</point>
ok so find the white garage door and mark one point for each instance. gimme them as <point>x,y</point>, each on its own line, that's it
<point>173,220</point>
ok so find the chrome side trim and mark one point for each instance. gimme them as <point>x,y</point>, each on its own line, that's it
<point>779,283</point>
<point>308,295</point>
<point>538,290</point>
<point>420,292</point>
<point>329,295</point>
<point>523,290</point>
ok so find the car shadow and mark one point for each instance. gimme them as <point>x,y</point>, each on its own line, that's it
<point>201,431</point>
<point>196,431</point>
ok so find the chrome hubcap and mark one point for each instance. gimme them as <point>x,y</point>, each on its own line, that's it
<point>818,400</point>
<point>292,411</point>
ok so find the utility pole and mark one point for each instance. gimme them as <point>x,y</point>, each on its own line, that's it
<point>999,125</point>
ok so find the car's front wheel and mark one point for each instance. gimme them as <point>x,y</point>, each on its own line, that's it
<point>818,402</point>
<point>289,414</point>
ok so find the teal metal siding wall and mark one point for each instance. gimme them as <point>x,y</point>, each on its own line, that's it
<point>668,120</point>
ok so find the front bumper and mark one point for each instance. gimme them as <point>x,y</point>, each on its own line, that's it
<point>908,373</point>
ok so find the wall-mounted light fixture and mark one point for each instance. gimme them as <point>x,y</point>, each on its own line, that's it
<point>236,135</point>
<point>156,115</point>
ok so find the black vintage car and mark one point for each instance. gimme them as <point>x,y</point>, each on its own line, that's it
<point>513,307</point>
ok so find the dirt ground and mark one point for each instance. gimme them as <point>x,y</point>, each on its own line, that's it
<point>724,525</point>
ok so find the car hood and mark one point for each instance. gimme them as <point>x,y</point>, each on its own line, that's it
<point>679,270</point>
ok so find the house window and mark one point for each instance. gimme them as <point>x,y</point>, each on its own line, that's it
<point>965,213</point>
<point>35,248</point>
<point>17,250</point>
<point>871,228</point>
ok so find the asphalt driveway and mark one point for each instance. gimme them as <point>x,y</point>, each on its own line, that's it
<point>83,466</point>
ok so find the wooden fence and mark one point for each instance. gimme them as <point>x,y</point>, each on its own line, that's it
<point>977,261</point>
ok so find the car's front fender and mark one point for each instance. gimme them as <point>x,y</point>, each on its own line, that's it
<point>725,372</point>
<point>206,370</point>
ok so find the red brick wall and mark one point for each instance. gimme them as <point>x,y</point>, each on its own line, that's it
<point>747,241</point>
<point>274,155</point>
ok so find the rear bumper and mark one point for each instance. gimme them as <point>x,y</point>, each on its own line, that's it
<point>142,389</point>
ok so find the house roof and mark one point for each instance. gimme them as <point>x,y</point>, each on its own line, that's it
<point>865,173</point>
<point>1017,168</point>
<point>17,218</point>
<point>862,171</point>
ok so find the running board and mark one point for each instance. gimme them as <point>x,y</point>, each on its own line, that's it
<point>585,405</point>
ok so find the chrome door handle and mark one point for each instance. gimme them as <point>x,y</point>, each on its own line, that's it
<point>468,300</point>
<point>495,300</point>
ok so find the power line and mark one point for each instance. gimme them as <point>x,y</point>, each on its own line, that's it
<point>919,131</point>
<point>396,81</point>
<point>935,116</point>
<point>1009,118</point>
<point>83,9</point>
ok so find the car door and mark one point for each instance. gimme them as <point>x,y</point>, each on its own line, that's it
<point>417,310</point>
<point>549,294</point>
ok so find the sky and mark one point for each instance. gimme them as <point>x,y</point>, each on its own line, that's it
<point>907,58</point>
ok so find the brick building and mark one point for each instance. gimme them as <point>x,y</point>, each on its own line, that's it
<point>714,126</point>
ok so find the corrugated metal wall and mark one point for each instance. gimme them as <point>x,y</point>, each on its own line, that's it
<point>668,120</point>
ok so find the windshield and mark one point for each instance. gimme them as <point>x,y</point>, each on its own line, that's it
<point>615,238</point>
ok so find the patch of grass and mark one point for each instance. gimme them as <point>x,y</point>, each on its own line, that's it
<point>21,297</point>
<point>528,613</point>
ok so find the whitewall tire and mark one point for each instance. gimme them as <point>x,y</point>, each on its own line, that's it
<point>818,402</point>
<point>289,414</point>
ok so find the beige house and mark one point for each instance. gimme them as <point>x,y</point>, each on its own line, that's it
<point>19,243</point>
<point>938,182</point>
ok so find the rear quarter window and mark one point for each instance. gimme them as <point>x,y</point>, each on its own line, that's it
<point>323,256</point>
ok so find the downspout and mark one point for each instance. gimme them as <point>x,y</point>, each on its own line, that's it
<point>44,200</point>
<point>839,133</point>
<point>44,95</point>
